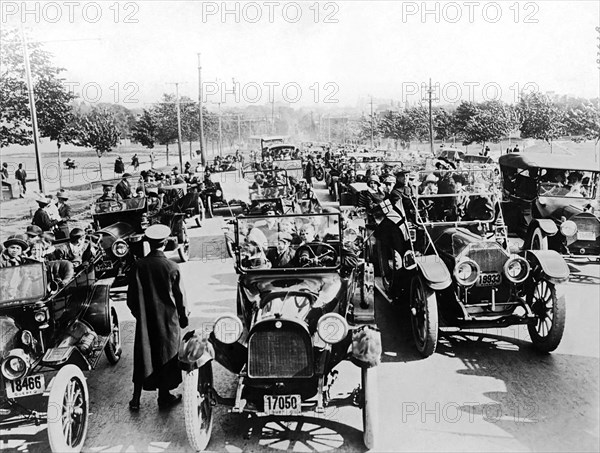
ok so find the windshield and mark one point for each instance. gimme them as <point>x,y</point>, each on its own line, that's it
<point>22,283</point>
<point>449,196</point>
<point>267,184</point>
<point>289,241</point>
<point>568,184</point>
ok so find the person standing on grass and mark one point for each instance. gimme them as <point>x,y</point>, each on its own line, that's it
<point>156,298</point>
<point>21,176</point>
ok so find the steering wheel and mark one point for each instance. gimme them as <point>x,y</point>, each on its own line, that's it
<point>318,252</point>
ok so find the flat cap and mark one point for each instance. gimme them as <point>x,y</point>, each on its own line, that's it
<point>285,237</point>
<point>158,232</point>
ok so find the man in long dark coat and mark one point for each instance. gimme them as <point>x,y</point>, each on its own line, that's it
<point>156,298</point>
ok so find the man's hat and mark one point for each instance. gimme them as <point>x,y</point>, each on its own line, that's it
<point>158,232</point>
<point>106,184</point>
<point>33,231</point>
<point>76,233</point>
<point>126,175</point>
<point>62,195</point>
<point>390,179</point>
<point>42,200</point>
<point>285,237</point>
<point>17,239</point>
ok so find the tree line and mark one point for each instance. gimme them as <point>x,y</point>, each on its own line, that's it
<point>534,116</point>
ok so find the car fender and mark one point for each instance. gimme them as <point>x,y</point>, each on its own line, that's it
<point>434,271</point>
<point>548,226</point>
<point>97,313</point>
<point>552,265</point>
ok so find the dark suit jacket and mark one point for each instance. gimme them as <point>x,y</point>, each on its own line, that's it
<point>43,220</point>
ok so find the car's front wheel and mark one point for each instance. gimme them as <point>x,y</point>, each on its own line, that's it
<point>546,331</point>
<point>423,316</point>
<point>68,410</point>
<point>198,410</point>
<point>370,407</point>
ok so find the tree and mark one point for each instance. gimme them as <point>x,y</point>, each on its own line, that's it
<point>540,118</point>
<point>165,118</point>
<point>52,99</point>
<point>443,124</point>
<point>98,130</point>
<point>144,130</point>
<point>583,122</point>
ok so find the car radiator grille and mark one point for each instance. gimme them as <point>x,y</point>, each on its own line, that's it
<point>490,258</point>
<point>279,353</point>
<point>587,224</point>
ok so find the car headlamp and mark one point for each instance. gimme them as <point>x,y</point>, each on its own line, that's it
<point>516,269</point>
<point>120,248</point>
<point>40,316</point>
<point>15,365</point>
<point>466,272</point>
<point>568,228</point>
<point>332,328</point>
<point>218,193</point>
<point>228,329</point>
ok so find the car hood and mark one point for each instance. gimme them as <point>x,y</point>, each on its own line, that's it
<point>320,289</point>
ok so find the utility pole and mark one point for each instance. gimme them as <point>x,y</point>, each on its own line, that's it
<point>430,99</point>
<point>329,127</point>
<point>239,122</point>
<point>372,145</point>
<point>200,114</point>
<point>178,108</point>
<point>34,125</point>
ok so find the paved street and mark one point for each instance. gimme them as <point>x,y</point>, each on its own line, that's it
<point>483,391</point>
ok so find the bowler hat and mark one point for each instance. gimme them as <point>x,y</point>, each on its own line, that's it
<point>17,239</point>
<point>126,175</point>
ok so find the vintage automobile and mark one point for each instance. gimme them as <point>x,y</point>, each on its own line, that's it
<point>293,167</point>
<point>281,151</point>
<point>451,154</point>
<point>121,223</point>
<point>551,201</point>
<point>293,325</point>
<point>56,320</point>
<point>454,267</point>
<point>223,191</point>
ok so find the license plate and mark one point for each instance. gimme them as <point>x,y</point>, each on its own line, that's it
<point>283,405</point>
<point>586,236</point>
<point>26,386</point>
<point>489,279</point>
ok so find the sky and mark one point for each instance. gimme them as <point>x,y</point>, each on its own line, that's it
<point>317,54</point>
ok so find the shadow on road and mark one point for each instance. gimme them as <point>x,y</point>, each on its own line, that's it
<point>551,400</point>
<point>306,434</point>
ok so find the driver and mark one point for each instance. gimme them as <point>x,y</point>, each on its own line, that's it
<point>307,234</point>
<point>108,194</point>
<point>77,250</point>
<point>283,254</point>
<point>480,207</point>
